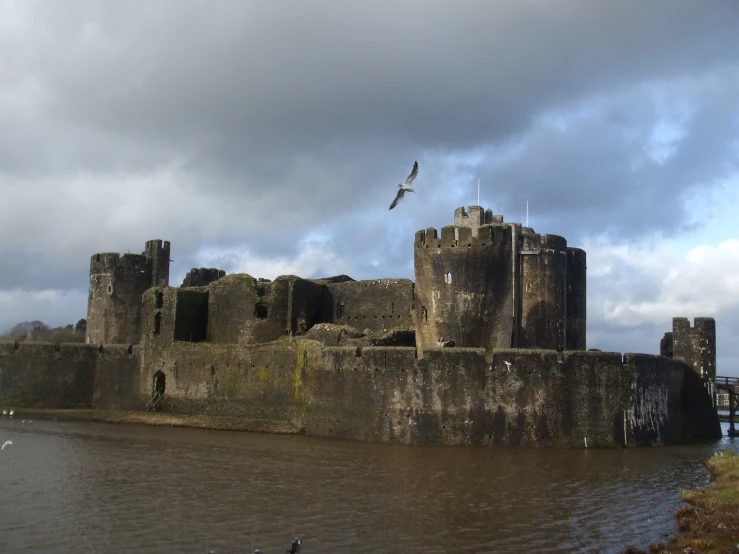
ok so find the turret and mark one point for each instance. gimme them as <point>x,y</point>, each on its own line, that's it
<point>464,287</point>
<point>116,285</point>
<point>695,346</point>
<point>486,283</point>
<point>158,252</point>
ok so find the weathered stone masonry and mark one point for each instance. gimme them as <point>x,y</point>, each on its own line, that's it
<point>494,328</point>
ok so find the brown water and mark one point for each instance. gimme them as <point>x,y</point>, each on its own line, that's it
<point>89,487</point>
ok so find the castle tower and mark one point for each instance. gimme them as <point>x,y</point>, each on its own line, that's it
<point>486,283</point>
<point>464,286</point>
<point>116,285</point>
<point>695,346</point>
<point>158,253</point>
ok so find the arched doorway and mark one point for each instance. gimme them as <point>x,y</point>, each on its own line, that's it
<point>158,385</point>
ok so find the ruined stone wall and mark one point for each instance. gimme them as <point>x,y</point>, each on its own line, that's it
<point>232,304</point>
<point>451,396</point>
<point>543,291</point>
<point>118,383</point>
<point>200,277</point>
<point>464,287</point>
<point>377,305</point>
<point>45,375</point>
<point>62,376</point>
<point>309,303</point>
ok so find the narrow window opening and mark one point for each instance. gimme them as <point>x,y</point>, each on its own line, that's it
<point>159,300</point>
<point>528,287</point>
<point>424,314</point>
<point>340,309</point>
<point>448,277</point>
<point>110,288</point>
<point>157,323</point>
<point>549,323</point>
<point>392,308</point>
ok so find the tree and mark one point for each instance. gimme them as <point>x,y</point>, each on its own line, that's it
<point>29,330</point>
<point>81,326</point>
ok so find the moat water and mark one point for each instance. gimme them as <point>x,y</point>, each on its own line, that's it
<point>94,487</point>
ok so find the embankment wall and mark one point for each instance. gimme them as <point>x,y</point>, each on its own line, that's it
<point>451,396</point>
<point>64,376</point>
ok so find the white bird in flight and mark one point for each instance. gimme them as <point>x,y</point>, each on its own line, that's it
<point>405,187</point>
<point>508,365</point>
<point>6,443</point>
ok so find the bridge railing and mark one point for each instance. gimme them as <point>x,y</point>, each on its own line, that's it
<point>726,382</point>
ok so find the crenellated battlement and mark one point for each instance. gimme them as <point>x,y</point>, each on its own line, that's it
<point>695,346</point>
<point>705,324</point>
<point>112,262</point>
<point>475,217</point>
<point>463,237</point>
<point>531,242</point>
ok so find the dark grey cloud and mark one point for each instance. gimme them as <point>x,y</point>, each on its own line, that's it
<point>257,124</point>
<point>601,175</point>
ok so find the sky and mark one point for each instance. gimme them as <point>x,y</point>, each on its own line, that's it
<point>267,138</point>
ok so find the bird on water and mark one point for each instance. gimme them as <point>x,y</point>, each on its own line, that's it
<point>405,187</point>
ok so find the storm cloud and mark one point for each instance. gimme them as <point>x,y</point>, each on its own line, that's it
<point>264,137</point>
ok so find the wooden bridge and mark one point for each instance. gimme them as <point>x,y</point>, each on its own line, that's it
<point>731,386</point>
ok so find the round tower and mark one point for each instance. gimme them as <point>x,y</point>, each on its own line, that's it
<point>544,291</point>
<point>464,288</point>
<point>116,285</point>
<point>114,298</point>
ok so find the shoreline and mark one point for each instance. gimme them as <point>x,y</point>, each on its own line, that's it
<point>709,519</point>
<point>162,419</point>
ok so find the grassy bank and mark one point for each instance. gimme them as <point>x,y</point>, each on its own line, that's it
<point>709,522</point>
<point>158,418</point>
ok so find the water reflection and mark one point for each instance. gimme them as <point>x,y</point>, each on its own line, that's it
<point>72,487</point>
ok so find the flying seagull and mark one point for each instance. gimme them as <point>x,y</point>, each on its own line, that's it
<point>6,443</point>
<point>403,187</point>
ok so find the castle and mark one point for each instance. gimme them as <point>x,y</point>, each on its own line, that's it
<point>480,283</point>
<point>487,346</point>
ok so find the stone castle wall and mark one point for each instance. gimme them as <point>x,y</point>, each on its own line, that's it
<point>63,376</point>
<point>451,396</point>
